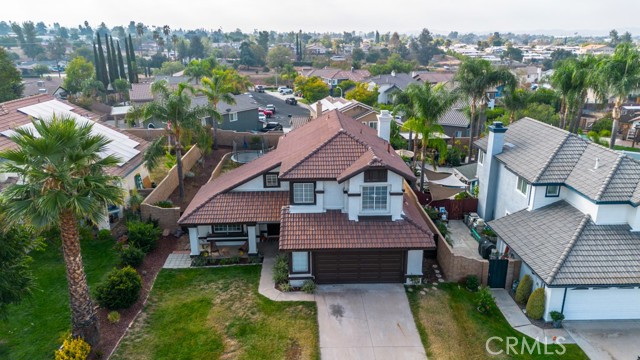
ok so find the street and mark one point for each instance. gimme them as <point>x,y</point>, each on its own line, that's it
<point>283,110</point>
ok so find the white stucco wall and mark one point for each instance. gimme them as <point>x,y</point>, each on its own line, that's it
<point>580,202</point>
<point>526,270</point>
<point>414,262</point>
<point>553,301</point>
<point>539,198</point>
<point>508,198</point>
<point>257,184</point>
<point>333,195</point>
<point>394,208</point>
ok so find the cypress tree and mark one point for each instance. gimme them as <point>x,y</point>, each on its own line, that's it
<point>132,78</point>
<point>133,60</point>
<point>114,58</point>
<point>120,62</point>
<point>96,63</point>
<point>103,65</point>
<point>109,60</point>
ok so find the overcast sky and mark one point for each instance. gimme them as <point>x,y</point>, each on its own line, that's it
<point>406,16</point>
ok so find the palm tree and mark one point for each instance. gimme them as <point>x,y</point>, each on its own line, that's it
<point>515,100</point>
<point>474,77</point>
<point>562,82</point>
<point>64,181</point>
<point>140,32</point>
<point>573,78</point>
<point>428,104</point>
<point>166,30</point>
<point>183,122</point>
<point>218,87</point>
<point>196,69</point>
<point>618,76</point>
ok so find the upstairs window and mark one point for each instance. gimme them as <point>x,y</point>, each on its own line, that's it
<point>522,185</point>
<point>480,157</point>
<point>271,180</point>
<point>227,228</point>
<point>303,193</point>
<point>378,175</point>
<point>375,198</point>
<point>233,116</point>
<point>373,124</point>
<point>552,191</point>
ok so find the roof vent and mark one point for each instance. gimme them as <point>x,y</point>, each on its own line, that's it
<point>597,164</point>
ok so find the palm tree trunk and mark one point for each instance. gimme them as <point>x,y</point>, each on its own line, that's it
<point>562,114</point>
<point>84,320</point>
<point>424,158</point>
<point>471,129</point>
<point>415,152</point>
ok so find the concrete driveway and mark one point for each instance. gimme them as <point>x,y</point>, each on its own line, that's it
<point>605,340</point>
<point>367,322</point>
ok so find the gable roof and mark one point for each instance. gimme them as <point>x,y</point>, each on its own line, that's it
<point>544,154</point>
<point>434,77</point>
<point>455,117</point>
<point>356,75</point>
<point>399,80</point>
<point>565,247</point>
<point>18,113</point>
<point>333,146</point>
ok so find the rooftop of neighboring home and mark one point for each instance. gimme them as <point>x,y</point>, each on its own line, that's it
<point>456,116</point>
<point>544,154</point>
<point>356,75</point>
<point>244,102</point>
<point>45,85</point>
<point>140,93</point>
<point>388,81</point>
<point>331,147</point>
<point>356,109</point>
<point>434,77</point>
<point>18,113</point>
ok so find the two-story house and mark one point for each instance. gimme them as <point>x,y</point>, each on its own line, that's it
<point>568,208</point>
<point>332,193</point>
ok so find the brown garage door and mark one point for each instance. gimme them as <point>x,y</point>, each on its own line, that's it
<point>359,267</point>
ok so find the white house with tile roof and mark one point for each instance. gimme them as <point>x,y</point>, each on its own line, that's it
<point>568,208</point>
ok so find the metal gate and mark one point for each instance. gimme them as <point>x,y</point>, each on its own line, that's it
<point>497,273</point>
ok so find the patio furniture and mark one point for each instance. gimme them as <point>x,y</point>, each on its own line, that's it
<point>214,248</point>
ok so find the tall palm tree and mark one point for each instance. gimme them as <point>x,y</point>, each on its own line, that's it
<point>619,76</point>
<point>64,181</point>
<point>197,69</point>
<point>573,79</point>
<point>515,100</point>
<point>428,104</point>
<point>166,30</point>
<point>473,79</point>
<point>183,122</point>
<point>562,82</point>
<point>218,87</point>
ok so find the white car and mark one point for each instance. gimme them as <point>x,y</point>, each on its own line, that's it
<point>262,117</point>
<point>280,88</point>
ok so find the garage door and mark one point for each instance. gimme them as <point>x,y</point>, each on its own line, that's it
<point>602,304</point>
<point>359,267</point>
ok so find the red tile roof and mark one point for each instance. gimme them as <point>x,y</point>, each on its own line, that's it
<point>140,93</point>
<point>333,146</point>
<point>334,230</point>
<point>240,207</point>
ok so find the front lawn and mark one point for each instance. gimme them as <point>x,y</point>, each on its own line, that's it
<point>34,328</point>
<point>452,328</point>
<point>215,313</point>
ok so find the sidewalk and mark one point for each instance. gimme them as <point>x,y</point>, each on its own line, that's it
<point>519,321</point>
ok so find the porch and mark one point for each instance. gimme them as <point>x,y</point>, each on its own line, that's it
<point>229,240</point>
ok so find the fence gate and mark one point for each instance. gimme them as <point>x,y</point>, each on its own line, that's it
<point>497,273</point>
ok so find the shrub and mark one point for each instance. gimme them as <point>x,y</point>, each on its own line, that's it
<point>200,260</point>
<point>556,316</point>
<point>285,287</point>
<point>105,235</point>
<point>524,290</point>
<point>144,236</point>
<point>472,283</point>
<point>164,204</point>
<point>308,286</point>
<point>484,300</point>
<point>120,290</point>
<point>281,269</point>
<point>86,233</point>
<point>73,349</point>
<point>131,256</point>
<point>113,317</point>
<point>535,305</point>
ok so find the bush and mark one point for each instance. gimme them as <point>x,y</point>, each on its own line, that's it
<point>113,317</point>
<point>285,287</point>
<point>308,286</point>
<point>524,290</point>
<point>105,235</point>
<point>556,316</point>
<point>164,204</point>
<point>73,349</point>
<point>484,300</point>
<point>200,260</point>
<point>472,283</point>
<point>144,236</point>
<point>281,269</point>
<point>86,233</point>
<point>535,305</point>
<point>121,289</point>
<point>131,256</point>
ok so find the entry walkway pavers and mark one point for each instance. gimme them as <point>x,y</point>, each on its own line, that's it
<point>519,321</point>
<point>178,260</point>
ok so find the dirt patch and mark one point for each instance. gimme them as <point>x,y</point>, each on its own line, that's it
<point>202,172</point>
<point>152,264</point>
<point>294,352</point>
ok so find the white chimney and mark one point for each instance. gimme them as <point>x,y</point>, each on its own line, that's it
<point>384,125</point>
<point>393,73</point>
<point>488,172</point>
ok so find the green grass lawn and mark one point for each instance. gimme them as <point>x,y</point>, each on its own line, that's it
<point>626,148</point>
<point>218,314</point>
<point>34,328</point>
<point>452,328</point>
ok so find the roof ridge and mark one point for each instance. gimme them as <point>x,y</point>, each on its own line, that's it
<point>186,215</point>
<point>315,151</point>
<point>551,157</point>
<point>607,180</point>
<point>585,220</point>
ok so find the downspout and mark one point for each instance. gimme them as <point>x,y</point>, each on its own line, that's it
<point>564,298</point>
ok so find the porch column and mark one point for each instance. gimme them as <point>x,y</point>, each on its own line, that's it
<point>414,262</point>
<point>251,233</point>
<point>193,241</point>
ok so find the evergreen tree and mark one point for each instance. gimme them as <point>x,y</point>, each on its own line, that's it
<point>109,60</point>
<point>103,64</point>
<point>129,66</point>
<point>114,60</point>
<point>377,37</point>
<point>96,63</point>
<point>120,62</point>
<point>134,66</point>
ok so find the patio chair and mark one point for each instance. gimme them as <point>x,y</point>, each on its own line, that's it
<point>244,247</point>
<point>214,248</point>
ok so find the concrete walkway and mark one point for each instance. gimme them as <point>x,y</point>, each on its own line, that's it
<point>607,339</point>
<point>367,321</point>
<point>519,321</point>
<point>178,260</point>
<point>267,285</point>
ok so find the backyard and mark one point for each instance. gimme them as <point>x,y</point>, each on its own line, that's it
<point>35,327</point>
<point>218,314</point>
<point>452,328</point>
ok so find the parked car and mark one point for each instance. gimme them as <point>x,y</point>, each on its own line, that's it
<point>260,88</point>
<point>287,91</point>
<point>291,100</point>
<point>268,113</point>
<point>262,117</point>
<point>272,108</point>
<point>271,126</point>
<point>280,88</point>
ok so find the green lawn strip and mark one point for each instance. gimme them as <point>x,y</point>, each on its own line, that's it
<point>214,313</point>
<point>34,328</point>
<point>468,330</point>
<point>626,148</point>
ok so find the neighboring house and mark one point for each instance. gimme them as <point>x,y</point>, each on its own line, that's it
<point>333,77</point>
<point>434,77</point>
<point>140,94</point>
<point>455,122</point>
<point>528,74</point>
<point>568,208</point>
<point>468,175</point>
<point>45,85</point>
<point>596,50</point>
<point>389,84</point>
<point>18,114</point>
<point>316,49</point>
<point>241,116</point>
<point>352,108</point>
<point>332,194</point>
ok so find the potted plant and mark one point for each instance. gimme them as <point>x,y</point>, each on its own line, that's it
<point>557,318</point>
<point>490,234</point>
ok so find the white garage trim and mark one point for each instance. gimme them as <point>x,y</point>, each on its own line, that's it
<point>602,303</point>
